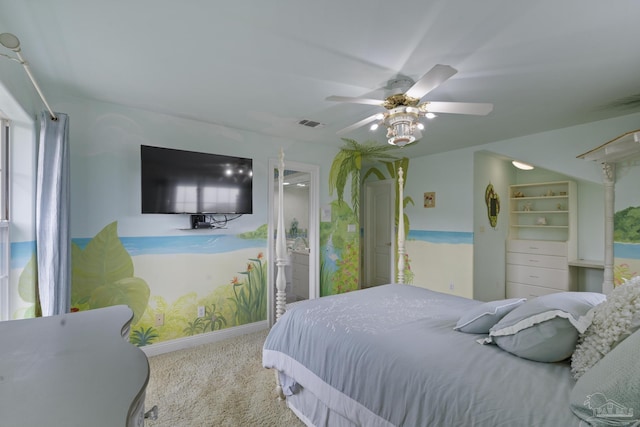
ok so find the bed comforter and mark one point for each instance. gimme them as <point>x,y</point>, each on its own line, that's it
<point>388,356</point>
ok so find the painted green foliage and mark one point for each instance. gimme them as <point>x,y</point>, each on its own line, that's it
<point>348,164</point>
<point>242,300</point>
<point>102,275</point>
<point>339,270</point>
<point>626,230</point>
<point>27,285</point>
<point>627,225</point>
<point>250,294</point>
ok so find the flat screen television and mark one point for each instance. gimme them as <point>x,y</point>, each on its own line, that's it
<point>188,182</point>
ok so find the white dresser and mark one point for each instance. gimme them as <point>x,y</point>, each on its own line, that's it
<point>300,274</point>
<point>537,267</point>
<point>72,370</point>
<point>542,239</point>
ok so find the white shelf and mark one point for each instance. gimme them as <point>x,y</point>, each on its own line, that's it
<point>542,238</point>
<point>539,226</point>
<point>543,211</point>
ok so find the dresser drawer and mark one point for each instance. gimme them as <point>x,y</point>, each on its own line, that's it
<point>545,277</point>
<point>541,247</point>
<point>520,290</point>
<point>534,260</point>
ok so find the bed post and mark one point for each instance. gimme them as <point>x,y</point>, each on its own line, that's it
<point>400,226</point>
<point>281,261</point>
<point>281,246</point>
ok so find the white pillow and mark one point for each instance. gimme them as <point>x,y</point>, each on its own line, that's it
<point>482,317</point>
<point>546,328</point>
<point>612,322</point>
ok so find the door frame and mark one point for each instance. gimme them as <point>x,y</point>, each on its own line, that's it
<point>313,232</point>
<point>369,226</point>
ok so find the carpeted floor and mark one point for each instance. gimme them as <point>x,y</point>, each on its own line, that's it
<point>219,384</point>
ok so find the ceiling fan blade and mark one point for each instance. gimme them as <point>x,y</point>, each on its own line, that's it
<point>361,123</point>
<point>473,108</point>
<point>434,78</point>
<point>367,101</point>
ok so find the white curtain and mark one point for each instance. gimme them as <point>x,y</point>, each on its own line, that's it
<point>52,215</point>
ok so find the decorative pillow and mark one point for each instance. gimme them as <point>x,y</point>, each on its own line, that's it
<point>482,317</point>
<point>546,328</point>
<point>609,392</point>
<point>612,322</point>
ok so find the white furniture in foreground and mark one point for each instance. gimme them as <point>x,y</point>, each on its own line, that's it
<point>542,239</point>
<point>72,370</point>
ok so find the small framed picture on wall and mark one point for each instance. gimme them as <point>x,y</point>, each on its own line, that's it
<point>430,199</point>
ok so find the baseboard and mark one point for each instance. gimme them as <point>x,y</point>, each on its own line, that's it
<point>207,338</point>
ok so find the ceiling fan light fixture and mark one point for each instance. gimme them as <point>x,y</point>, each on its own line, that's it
<point>401,123</point>
<point>420,126</point>
<point>374,126</point>
<point>430,116</point>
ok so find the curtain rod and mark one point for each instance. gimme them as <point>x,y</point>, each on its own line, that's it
<point>12,42</point>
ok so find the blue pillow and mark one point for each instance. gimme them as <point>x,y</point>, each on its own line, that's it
<point>546,328</point>
<point>483,316</point>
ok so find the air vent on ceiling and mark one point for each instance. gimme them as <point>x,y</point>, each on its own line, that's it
<point>310,123</point>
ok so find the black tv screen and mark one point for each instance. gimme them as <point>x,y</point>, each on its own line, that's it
<point>188,182</point>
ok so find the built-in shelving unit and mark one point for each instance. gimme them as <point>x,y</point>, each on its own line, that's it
<point>542,238</point>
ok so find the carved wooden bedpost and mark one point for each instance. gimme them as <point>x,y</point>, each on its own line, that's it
<point>281,246</point>
<point>609,179</point>
<point>281,261</point>
<point>400,226</point>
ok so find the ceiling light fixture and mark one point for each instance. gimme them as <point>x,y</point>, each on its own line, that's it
<point>522,166</point>
<point>402,120</point>
<point>401,123</point>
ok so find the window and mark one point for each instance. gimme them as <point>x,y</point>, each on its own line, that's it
<point>4,220</point>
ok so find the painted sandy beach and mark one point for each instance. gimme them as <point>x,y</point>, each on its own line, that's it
<point>436,265</point>
<point>171,275</point>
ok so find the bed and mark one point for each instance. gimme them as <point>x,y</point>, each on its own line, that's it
<point>390,356</point>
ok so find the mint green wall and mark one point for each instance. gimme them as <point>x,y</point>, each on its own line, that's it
<point>451,176</point>
<point>488,242</point>
<point>105,176</point>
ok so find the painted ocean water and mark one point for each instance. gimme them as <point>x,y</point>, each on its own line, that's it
<point>453,237</point>
<point>626,250</point>
<point>21,252</point>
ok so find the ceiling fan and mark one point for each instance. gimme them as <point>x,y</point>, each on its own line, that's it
<point>405,109</point>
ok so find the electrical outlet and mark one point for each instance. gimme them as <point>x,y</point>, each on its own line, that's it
<point>159,319</point>
<point>200,311</point>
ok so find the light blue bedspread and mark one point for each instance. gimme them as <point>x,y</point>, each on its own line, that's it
<point>388,356</point>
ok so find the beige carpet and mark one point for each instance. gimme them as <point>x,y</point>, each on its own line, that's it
<point>219,384</point>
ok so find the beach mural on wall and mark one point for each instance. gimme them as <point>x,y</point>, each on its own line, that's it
<point>626,246</point>
<point>441,255</point>
<point>228,273</point>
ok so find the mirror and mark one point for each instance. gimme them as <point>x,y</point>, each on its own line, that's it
<point>301,222</point>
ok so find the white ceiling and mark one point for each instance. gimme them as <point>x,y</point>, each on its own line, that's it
<point>264,65</point>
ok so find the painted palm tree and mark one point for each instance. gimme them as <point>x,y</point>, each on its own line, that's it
<point>348,163</point>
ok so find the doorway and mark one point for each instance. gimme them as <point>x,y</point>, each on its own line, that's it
<point>379,236</point>
<point>302,229</point>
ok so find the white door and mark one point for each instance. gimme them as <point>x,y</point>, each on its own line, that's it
<point>379,242</point>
